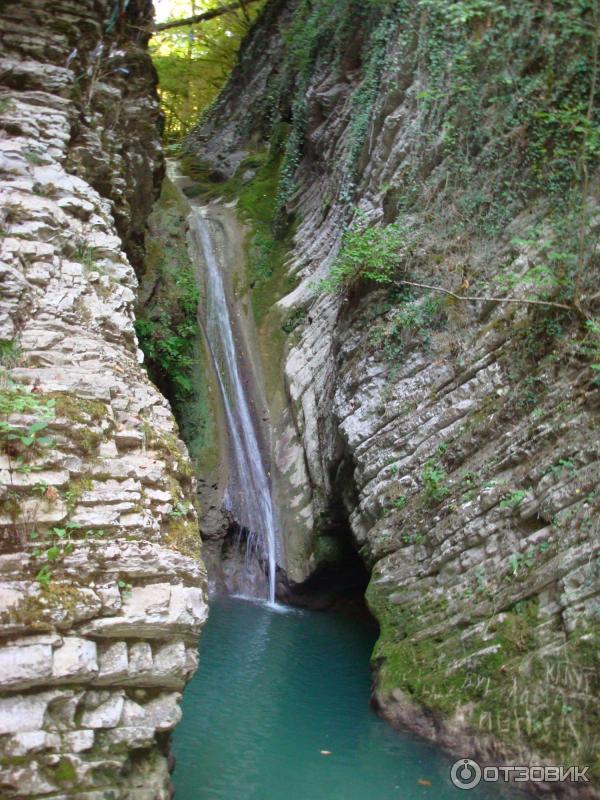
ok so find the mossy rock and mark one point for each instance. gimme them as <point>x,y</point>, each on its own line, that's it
<point>78,409</point>
<point>64,773</point>
<point>40,611</point>
<point>499,683</point>
<point>183,535</point>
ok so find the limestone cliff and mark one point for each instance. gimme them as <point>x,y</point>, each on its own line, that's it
<point>102,590</point>
<point>458,438</point>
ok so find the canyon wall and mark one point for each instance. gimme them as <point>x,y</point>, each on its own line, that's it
<point>102,590</point>
<point>458,440</point>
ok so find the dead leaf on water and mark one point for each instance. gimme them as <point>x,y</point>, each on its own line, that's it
<point>424,782</point>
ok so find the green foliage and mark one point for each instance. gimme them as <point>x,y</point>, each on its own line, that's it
<point>180,509</point>
<point>10,352</point>
<point>16,439</point>
<point>193,62</point>
<point>33,158</point>
<point>295,319</point>
<point>44,576</point>
<point>399,503</point>
<point>317,37</point>
<point>560,256</point>
<point>170,336</point>
<point>76,488</point>
<point>363,100</point>
<point>513,500</point>
<point>86,256</point>
<point>64,772</point>
<point>433,476</point>
<point>519,564</point>
<point>466,11</point>
<point>167,328</point>
<point>429,660</point>
<point>168,345</point>
<point>418,316</point>
<point>52,547</point>
<point>410,321</point>
<point>494,74</point>
<point>125,588</point>
<point>366,253</point>
<point>257,203</point>
<point>413,538</point>
<point>511,90</point>
<point>591,347</point>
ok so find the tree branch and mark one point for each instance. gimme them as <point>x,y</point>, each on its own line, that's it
<point>206,15</point>
<point>474,298</point>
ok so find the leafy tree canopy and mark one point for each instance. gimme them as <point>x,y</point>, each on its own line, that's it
<point>194,61</point>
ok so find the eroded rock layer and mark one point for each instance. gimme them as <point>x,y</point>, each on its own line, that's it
<point>102,590</point>
<point>461,438</point>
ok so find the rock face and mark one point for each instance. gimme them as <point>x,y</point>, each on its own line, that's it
<point>458,439</point>
<point>102,590</point>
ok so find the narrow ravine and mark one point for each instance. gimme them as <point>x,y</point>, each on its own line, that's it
<point>280,706</point>
<point>299,345</point>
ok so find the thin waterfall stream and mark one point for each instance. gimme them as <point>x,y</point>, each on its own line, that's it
<point>279,707</point>
<point>248,496</point>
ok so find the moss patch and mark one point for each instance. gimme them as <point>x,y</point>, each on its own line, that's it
<point>41,610</point>
<point>496,678</point>
<point>76,488</point>
<point>78,409</point>
<point>63,773</point>
<point>178,463</point>
<point>183,535</point>
<point>167,326</point>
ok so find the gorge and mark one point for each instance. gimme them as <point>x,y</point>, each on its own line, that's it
<point>365,288</point>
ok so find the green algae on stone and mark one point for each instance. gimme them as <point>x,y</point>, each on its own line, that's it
<point>167,325</point>
<point>497,679</point>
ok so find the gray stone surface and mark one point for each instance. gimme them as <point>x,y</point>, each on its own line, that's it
<point>80,164</point>
<point>502,415</point>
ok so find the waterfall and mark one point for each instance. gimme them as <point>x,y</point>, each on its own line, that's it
<point>249,491</point>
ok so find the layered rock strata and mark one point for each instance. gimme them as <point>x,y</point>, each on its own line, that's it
<point>102,590</point>
<point>461,439</point>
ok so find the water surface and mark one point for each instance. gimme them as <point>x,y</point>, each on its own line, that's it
<point>274,690</point>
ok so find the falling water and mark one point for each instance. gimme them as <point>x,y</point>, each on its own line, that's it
<point>249,492</point>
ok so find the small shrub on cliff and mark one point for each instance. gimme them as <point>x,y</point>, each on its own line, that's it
<point>366,253</point>
<point>20,438</point>
<point>433,477</point>
<point>591,347</point>
<point>10,353</point>
<point>513,500</point>
<point>166,324</point>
